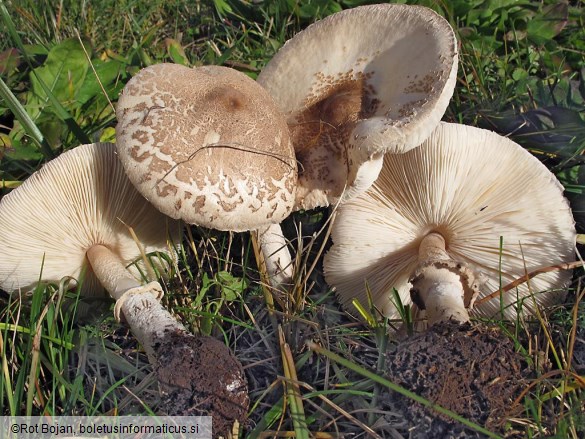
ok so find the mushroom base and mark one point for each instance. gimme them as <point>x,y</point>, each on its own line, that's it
<point>472,371</point>
<point>199,376</point>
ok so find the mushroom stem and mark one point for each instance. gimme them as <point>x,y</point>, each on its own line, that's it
<point>142,311</point>
<point>277,257</point>
<point>362,173</point>
<point>441,292</point>
<point>181,360</point>
<point>110,271</point>
<point>437,284</point>
<point>432,247</point>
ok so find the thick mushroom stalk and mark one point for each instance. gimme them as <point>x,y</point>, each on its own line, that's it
<point>198,375</point>
<point>439,284</point>
<point>139,303</point>
<point>114,277</point>
<point>110,271</point>
<point>277,257</point>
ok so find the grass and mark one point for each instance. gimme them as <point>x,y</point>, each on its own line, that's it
<point>521,72</point>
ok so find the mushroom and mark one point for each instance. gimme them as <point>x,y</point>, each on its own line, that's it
<point>78,213</point>
<point>208,145</point>
<point>358,84</point>
<point>450,221</point>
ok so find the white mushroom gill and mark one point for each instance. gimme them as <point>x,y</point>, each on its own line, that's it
<point>498,209</point>
<point>78,200</point>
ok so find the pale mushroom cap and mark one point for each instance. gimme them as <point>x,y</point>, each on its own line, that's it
<point>357,84</point>
<point>207,145</point>
<point>77,200</point>
<point>472,186</point>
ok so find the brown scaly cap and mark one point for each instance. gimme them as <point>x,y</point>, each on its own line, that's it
<point>80,199</point>
<point>472,187</point>
<point>358,84</point>
<point>207,145</point>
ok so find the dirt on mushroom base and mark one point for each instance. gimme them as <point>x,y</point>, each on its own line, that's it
<point>201,377</point>
<point>473,371</point>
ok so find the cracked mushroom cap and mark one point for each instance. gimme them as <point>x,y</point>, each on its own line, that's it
<point>75,201</point>
<point>358,84</point>
<point>207,145</point>
<point>472,187</point>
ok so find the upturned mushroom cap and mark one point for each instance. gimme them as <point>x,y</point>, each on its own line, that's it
<point>358,84</point>
<point>472,187</point>
<point>207,145</point>
<point>78,200</point>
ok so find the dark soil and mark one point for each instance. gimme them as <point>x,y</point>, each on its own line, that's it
<point>472,371</point>
<point>199,376</point>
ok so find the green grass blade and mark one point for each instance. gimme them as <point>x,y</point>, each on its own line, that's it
<point>270,417</point>
<point>6,388</point>
<point>22,116</point>
<point>18,328</point>
<point>293,391</point>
